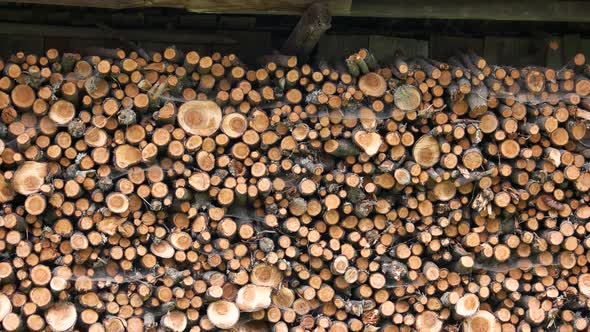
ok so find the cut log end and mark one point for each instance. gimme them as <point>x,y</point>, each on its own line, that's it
<point>23,96</point>
<point>584,284</point>
<point>126,156</point>
<point>62,112</point>
<point>5,306</point>
<point>266,275</point>
<point>35,204</point>
<point>253,298</point>
<point>7,192</point>
<point>234,125</point>
<point>223,314</point>
<point>162,249</point>
<point>467,305</point>
<point>426,151</point>
<point>61,317</point>
<point>117,202</point>
<point>445,191</point>
<point>407,97</point>
<point>175,321</point>
<point>29,177</point>
<point>481,321</point>
<point>369,142</point>
<point>428,321</point>
<point>201,118</point>
<point>372,85</point>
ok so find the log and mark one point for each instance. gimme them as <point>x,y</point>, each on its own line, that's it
<point>29,177</point>
<point>187,191</point>
<point>372,84</point>
<point>482,321</point>
<point>201,118</point>
<point>313,23</point>
<point>61,317</point>
<point>223,314</point>
<point>253,298</point>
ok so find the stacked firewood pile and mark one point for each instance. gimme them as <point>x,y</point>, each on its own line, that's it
<point>172,192</point>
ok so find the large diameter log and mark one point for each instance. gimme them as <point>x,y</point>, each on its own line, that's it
<point>253,298</point>
<point>223,314</point>
<point>162,249</point>
<point>61,317</point>
<point>428,321</point>
<point>535,80</point>
<point>253,326</point>
<point>62,112</point>
<point>201,118</point>
<point>117,202</point>
<point>481,321</point>
<point>372,84</point>
<point>5,306</point>
<point>175,321</point>
<point>426,151</point>
<point>444,191</point>
<point>467,305</point>
<point>126,156</point>
<point>584,284</point>
<point>407,97</point>
<point>96,87</point>
<point>29,177</point>
<point>234,125</point>
<point>266,275</point>
<point>23,97</point>
<point>369,142</point>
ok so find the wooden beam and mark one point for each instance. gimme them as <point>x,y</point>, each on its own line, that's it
<point>111,4</point>
<point>522,10</point>
<point>266,7</point>
<point>385,48</point>
<point>503,10</point>
<point>153,35</point>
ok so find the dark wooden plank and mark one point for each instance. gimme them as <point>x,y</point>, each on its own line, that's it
<point>161,46</point>
<point>442,47</point>
<point>514,51</point>
<point>335,48</point>
<point>79,45</point>
<point>155,35</point>
<point>192,21</point>
<point>249,45</point>
<point>237,22</point>
<point>385,47</point>
<point>574,43</point>
<point>553,52</point>
<point>267,7</point>
<point>114,4</point>
<point>571,46</point>
<point>502,10</point>
<point>585,48</point>
<point>10,44</point>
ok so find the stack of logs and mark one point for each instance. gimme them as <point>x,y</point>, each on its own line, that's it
<point>177,191</point>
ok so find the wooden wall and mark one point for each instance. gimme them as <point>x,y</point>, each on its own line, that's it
<point>33,28</point>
